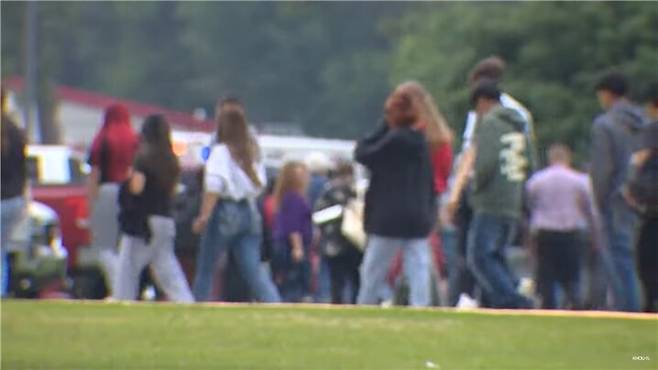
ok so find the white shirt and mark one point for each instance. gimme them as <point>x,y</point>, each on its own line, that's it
<point>224,176</point>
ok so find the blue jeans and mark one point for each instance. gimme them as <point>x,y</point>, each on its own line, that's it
<point>11,211</point>
<point>449,244</point>
<point>619,223</point>
<point>377,261</point>
<point>234,225</point>
<point>487,239</point>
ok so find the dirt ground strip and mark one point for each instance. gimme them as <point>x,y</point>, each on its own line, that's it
<point>486,311</point>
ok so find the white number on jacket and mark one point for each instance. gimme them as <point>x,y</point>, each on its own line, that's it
<point>512,157</point>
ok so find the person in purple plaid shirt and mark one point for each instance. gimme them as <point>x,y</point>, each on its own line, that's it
<point>561,205</point>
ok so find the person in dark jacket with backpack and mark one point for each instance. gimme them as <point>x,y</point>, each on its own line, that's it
<point>641,191</point>
<point>400,204</point>
<point>615,136</point>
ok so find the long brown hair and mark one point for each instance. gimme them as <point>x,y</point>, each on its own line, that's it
<point>289,180</point>
<point>155,152</point>
<point>437,130</point>
<point>233,131</point>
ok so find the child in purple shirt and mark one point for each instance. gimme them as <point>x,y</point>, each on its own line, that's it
<point>292,233</point>
<point>293,216</point>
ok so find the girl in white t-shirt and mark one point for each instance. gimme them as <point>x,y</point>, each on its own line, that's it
<point>234,178</point>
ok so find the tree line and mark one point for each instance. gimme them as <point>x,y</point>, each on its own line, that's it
<point>328,66</point>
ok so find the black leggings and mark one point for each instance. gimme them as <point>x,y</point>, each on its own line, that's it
<point>344,269</point>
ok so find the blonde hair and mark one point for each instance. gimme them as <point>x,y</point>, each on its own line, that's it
<point>289,180</point>
<point>437,130</point>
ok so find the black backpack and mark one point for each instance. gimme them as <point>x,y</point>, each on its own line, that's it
<point>642,185</point>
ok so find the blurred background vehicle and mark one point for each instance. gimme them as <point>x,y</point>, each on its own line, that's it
<point>37,257</point>
<point>57,175</point>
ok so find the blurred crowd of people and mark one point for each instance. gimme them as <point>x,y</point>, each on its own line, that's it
<point>589,233</point>
<point>313,233</point>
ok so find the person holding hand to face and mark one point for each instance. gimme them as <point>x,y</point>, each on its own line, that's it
<point>400,205</point>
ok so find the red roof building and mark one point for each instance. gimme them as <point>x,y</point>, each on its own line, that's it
<point>79,113</point>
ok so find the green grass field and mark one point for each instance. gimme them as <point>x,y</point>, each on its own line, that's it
<point>84,335</point>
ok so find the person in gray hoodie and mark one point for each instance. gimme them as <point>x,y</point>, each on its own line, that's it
<point>615,135</point>
<point>500,167</point>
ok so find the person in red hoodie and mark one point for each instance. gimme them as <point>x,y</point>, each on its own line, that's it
<point>111,157</point>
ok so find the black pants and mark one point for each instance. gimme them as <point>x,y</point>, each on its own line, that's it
<point>559,262</point>
<point>344,269</point>
<point>647,261</point>
<point>463,217</point>
<point>292,278</point>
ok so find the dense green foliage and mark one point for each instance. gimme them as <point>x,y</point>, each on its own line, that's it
<point>328,66</point>
<point>555,53</point>
<point>79,335</point>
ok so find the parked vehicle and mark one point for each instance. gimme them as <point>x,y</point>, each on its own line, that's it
<point>38,260</point>
<point>57,178</point>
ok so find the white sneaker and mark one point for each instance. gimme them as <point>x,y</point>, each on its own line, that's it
<point>526,287</point>
<point>149,293</point>
<point>466,302</point>
<point>386,303</point>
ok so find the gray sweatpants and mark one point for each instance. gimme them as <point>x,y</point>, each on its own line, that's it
<point>104,227</point>
<point>135,254</point>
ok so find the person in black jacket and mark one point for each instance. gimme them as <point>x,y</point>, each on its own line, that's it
<point>14,182</point>
<point>641,192</point>
<point>400,208</point>
<point>616,134</point>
